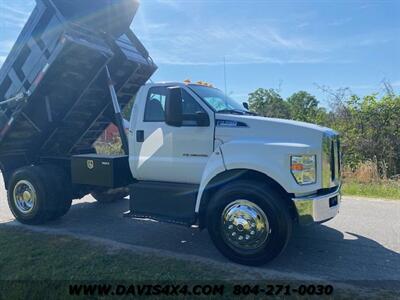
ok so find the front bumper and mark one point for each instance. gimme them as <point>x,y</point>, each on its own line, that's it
<point>318,208</point>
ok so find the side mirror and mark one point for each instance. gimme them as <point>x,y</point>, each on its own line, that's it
<point>202,119</point>
<point>173,107</point>
<point>246,105</point>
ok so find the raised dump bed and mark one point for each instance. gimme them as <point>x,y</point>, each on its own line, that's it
<point>59,62</point>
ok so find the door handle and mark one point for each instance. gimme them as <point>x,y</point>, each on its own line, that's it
<point>140,136</point>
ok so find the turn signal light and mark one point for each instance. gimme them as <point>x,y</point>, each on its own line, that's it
<point>297,167</point>
<point>304,169</point>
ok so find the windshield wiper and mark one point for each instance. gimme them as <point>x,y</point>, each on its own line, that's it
<point>252,113</point>
<point>231,111</point>
<point>236,112</point>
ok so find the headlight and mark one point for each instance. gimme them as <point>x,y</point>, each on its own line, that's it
<point>303,168</point>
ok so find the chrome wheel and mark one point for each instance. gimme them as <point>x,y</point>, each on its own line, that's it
<point>245,226</point>
<point>24,196</point>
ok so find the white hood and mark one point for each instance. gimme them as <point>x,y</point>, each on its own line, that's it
<point>230,127</point>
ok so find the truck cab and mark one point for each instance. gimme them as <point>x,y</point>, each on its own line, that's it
<point>202,158</point>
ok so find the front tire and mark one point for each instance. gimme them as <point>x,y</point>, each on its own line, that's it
<point>249,222</point>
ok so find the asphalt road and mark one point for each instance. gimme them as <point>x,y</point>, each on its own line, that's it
<point>362,243</point>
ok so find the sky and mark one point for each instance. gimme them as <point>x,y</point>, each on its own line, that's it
<point>286,45</point>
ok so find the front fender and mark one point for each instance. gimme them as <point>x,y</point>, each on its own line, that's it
<point>215,166</point>
<point>271,159</point>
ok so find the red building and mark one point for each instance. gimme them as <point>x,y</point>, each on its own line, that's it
<point>109,135</point>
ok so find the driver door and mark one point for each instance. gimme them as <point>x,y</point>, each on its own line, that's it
<point>172,154</point>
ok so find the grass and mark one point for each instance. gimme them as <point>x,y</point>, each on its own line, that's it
<point>381,189</point>
<point>43,257</point>
<point>366,180</point>
<point>40,266</point>
<point>60,261</point>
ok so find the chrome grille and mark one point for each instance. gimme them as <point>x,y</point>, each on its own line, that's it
<point>331,161</point>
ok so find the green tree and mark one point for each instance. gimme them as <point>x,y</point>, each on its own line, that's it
<point>370,131</point>
<point>304,107</point>
<point>369,126</point>
<point>127,111</point>
<point>268,103</point>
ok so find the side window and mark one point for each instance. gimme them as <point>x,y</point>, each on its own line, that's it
<point>191,108</point>
<point>155,105</point>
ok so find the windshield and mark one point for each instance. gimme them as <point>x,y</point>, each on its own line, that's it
<point>218,100</point>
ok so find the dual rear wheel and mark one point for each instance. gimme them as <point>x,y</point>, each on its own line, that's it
<point>37,194</point>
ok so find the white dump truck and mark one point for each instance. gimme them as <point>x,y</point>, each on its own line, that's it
<point>193,156</point>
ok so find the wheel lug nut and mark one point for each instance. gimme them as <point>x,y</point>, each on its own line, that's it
<point>241,238</point>
<point>247,237</point>
<point>252,232</point>
<point>233,233</point>
<point>230,227</point>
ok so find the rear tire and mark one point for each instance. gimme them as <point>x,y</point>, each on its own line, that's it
<point>249,222</point>
<point>36,195</point>
<point>62,186</point>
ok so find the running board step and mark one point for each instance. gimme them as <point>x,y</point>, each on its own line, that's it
<point>164,201</point>
<point>132,215</point>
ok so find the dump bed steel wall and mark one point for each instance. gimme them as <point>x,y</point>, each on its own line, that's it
<point>60,59</point>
